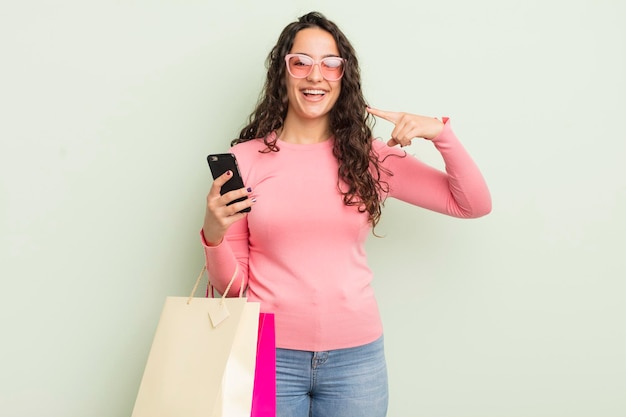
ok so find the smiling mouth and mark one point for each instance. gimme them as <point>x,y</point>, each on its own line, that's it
<point>313,93</point>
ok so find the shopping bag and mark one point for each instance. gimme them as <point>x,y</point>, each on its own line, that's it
<point>202,359</point>
<point>264,394</point>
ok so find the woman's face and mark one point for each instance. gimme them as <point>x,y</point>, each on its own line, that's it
<point>312,97</point>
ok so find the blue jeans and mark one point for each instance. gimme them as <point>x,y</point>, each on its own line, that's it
<point>339,383</point>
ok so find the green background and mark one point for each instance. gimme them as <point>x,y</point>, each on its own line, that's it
<point>108,109</point>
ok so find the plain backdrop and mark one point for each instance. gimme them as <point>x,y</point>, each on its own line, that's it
<point>109,108</point>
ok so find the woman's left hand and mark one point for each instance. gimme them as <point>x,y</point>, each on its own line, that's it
<point>409,126</point>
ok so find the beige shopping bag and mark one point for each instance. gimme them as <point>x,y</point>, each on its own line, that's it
<point>202,359</point>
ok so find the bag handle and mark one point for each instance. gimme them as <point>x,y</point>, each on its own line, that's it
<point>230,283</point>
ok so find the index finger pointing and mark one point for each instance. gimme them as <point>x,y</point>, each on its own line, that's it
<point>390,116</point>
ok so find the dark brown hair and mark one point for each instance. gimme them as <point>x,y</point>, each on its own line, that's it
<point>350,124</point>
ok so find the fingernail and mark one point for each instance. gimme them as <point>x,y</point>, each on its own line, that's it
<point>229,172</point>
<point>254,200</point>
<point>249,189</point>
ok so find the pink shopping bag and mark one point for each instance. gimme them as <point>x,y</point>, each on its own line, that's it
<point>264,394</point>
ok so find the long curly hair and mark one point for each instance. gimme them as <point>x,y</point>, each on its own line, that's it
<point>351,125</point>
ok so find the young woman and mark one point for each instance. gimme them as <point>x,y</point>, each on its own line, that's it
<point>316,181</point>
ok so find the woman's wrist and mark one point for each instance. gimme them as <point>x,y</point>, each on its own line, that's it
<point>211,241</point>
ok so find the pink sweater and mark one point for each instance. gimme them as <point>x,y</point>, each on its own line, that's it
<point>301,250</point>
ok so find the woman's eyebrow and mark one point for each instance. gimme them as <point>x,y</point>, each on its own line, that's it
<point>323,56</point>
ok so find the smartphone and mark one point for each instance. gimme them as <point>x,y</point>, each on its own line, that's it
<point>219,164</point>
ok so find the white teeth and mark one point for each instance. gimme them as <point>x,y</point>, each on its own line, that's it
<point>313,91</point>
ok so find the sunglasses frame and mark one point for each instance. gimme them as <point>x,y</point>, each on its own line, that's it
<point>318,63</point>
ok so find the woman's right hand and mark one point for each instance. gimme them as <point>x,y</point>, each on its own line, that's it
<point>219,216</point>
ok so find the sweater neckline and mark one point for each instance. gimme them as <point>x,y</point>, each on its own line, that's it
<point>326,144</point>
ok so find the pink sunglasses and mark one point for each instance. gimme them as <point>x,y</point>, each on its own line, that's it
<point>300,66</point>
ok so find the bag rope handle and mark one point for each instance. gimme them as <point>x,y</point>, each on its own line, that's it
<point>230,283</point>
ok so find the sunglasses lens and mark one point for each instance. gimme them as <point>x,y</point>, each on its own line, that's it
<point>332,68</point>
<point>300,66</point>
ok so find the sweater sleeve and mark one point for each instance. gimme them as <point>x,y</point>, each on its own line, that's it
<point>460,191</point>
<point>222,260</point>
